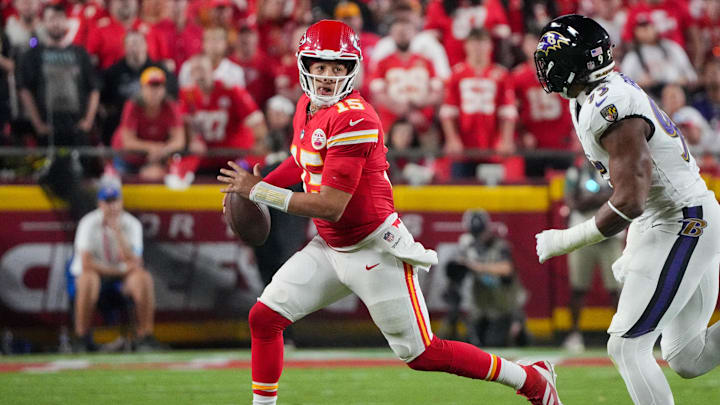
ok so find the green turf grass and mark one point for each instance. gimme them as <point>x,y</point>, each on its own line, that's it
<point>347,386</point>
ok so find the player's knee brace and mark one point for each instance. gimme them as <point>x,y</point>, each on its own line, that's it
<point>266,323</point>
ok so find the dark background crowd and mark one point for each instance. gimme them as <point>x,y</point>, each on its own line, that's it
<point>173,88</point>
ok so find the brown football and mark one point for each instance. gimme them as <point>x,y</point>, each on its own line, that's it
<point>248,220</point>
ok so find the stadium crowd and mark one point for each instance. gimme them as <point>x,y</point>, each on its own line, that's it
<point>453,80</point>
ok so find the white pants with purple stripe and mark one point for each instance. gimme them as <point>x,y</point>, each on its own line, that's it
<point>671,277</point>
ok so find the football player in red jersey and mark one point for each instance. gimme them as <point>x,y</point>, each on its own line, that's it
<point>362,246</point>
<point>220,116</point>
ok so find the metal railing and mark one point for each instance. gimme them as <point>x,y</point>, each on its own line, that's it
<point>416,153</point>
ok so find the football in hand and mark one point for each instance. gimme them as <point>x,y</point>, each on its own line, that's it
<point>248,220</point>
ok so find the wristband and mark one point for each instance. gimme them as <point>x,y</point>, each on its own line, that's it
<point>586,233</point>
<point>272,196</point>
<point>617,211</point>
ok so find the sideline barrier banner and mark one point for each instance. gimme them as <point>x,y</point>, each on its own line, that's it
<point>203,275</point>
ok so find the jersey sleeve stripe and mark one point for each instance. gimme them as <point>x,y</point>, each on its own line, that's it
<point>354,140</point>
<point>352,134</point>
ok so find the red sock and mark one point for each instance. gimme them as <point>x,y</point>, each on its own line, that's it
<point>266,327</point>
<point>458,358</point>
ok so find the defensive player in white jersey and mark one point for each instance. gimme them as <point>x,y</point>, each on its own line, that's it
<point>670,264</point>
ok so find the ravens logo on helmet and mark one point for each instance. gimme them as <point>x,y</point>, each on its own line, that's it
<point>573,49</point>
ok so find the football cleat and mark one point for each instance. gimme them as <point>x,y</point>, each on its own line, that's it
<point>542,389</point>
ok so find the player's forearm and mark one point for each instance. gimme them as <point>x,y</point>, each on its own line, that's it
<point>314,205</point>
<point>329,204</point>
<point>612,217</point>
<point>630,167</point>
<point>622,207</point>
<point>608,222</point>
<point>285,175</point>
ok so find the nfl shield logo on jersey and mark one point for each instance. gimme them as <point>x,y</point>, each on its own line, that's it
<point>610,113</point>
<point>319,139</point>
<point>389,237</point>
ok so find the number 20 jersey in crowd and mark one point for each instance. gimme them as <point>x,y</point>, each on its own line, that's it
<point>342,147</point>
<point>676,181</point>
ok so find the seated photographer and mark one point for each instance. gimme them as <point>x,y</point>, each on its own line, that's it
<point>108,255</point>
<point>496,317</point>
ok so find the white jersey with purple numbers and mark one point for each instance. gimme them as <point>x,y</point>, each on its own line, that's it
<point>676,181</point>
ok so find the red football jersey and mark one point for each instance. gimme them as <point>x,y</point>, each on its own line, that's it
<point>405,80</point>
<point>220,117</point>
<point>342,147</point>
<point>454,29</point>
<point>155,129</point>
<point>174,43</point>
<point>106,41</point>
<point>545,116</point>
<point>82,17</point>
<point>670,18</point>
<point>478,98</point>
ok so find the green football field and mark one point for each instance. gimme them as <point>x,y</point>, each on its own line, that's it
<point>364,377</point>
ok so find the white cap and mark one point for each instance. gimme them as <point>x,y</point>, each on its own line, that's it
<point>281,103</point>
